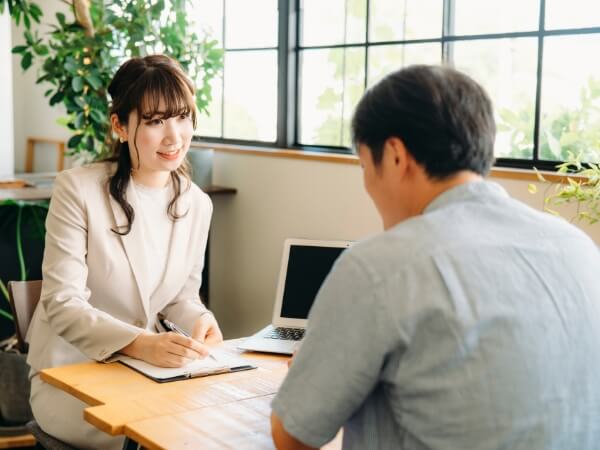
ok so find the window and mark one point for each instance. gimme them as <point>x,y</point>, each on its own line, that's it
<point>535,58</point>
<point>244,105</point>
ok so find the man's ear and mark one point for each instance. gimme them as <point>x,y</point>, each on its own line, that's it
<point>397,155</point>
<point>118,128</point>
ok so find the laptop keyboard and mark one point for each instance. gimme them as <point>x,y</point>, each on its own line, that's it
<point>288,334</point>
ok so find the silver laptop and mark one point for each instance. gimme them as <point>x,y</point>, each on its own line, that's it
<point>304,267</point>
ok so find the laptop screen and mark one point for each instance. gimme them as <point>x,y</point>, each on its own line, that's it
<point>307,268</point>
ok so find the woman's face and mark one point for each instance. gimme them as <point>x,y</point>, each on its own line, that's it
<point>161,143</point>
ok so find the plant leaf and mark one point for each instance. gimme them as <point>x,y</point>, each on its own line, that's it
<point>94,81</point>
<point>77,84</point>
<point>26,61</point>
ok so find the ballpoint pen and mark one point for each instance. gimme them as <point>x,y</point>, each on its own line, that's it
<point>172,327</point>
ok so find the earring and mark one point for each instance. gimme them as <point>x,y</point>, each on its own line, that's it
<point>121,140</point>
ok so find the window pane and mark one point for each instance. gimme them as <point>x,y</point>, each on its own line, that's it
<point>399,20</point>
<point>340,22</point>
<point>251,95</point>
<point>210,124</point>
<point>507,70</point>
<point>332,82</point>
<point>572,14</point>
<point>384,59</point>
<point>208,15</point>
<point>570,118</point>
<point>485,17</point>
<point>251,24</point>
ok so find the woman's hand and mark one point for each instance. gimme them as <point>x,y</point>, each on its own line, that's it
<point>206,330</point>
<point>165,349</point>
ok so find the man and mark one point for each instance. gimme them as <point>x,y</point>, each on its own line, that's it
<point>472,321</point>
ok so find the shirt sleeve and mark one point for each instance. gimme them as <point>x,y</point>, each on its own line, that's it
<point>341,356</point>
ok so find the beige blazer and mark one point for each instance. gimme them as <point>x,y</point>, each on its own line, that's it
<point>94,297</point>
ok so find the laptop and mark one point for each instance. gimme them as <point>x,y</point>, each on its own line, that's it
<point>304,267</point>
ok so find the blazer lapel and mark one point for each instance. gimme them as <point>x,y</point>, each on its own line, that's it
<point>134,243</point>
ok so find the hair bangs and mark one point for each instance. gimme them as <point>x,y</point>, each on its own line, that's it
<point>166,96</point>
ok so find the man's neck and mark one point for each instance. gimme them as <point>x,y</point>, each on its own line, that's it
<point>425,191</point>
<point>439,187</point>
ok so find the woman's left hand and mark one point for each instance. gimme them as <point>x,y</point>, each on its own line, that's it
<point>206,330</point>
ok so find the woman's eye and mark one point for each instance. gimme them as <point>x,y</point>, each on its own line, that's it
<point>155,121</point>
<point>184,116</point>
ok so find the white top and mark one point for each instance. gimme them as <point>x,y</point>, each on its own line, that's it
<point>157,227</point>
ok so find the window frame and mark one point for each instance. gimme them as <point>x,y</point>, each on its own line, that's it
<point>289,78</point>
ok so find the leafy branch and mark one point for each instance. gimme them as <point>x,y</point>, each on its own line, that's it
<point>22,9</point>
<point>583,190</point>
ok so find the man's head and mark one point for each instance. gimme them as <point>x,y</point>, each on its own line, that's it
<point>420,131</point>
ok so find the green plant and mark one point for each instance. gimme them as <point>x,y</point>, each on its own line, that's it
<point>583,189</point>
<point>22,9</point>
<point>564,132</point>
<point>27,217</point>
<point>81,54</point>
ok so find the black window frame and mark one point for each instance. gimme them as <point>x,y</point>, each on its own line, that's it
<point>288,77</point>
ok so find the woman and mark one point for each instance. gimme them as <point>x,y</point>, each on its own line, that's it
<point>125,241</point>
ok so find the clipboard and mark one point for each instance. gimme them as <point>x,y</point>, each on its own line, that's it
<point>224,362</point>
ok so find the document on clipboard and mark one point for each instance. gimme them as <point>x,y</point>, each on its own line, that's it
<point>222,362</point>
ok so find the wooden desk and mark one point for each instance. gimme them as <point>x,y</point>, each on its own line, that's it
<point>26,193</point>
<point>220,411</point>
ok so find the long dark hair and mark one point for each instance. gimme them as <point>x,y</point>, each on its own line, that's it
<point>140,84</point>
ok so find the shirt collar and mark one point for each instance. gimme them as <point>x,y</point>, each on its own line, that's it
<point>475,190</point>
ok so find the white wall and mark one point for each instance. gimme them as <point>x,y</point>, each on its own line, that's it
<point>279,198</point>
<point>33,116</point>
<point>6,98</point>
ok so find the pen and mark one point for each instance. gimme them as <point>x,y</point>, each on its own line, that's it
<point>171,326</point>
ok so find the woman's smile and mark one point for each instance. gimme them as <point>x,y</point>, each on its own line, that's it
<point>170,154</point>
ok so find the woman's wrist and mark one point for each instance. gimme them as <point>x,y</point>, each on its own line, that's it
<point>134,348</point>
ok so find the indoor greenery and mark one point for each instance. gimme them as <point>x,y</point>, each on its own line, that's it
<point>565,133</point>
<point>22,9</point>
<point>25,221</point>
<point>581,187</point>
<point>571,135</point>
<point>81,54</point>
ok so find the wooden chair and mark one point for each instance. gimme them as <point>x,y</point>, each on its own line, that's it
<point>18,441</point>
<point>29,156</point>
<point>23,297</point>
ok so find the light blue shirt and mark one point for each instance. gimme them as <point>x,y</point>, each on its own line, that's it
<point>475,325</point>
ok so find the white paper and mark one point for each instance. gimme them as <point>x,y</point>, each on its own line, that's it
<point>223,361</point>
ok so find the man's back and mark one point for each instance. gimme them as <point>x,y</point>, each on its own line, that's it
<point>487,323</point>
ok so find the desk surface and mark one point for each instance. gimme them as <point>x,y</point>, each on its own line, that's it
<point>220,411</point>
